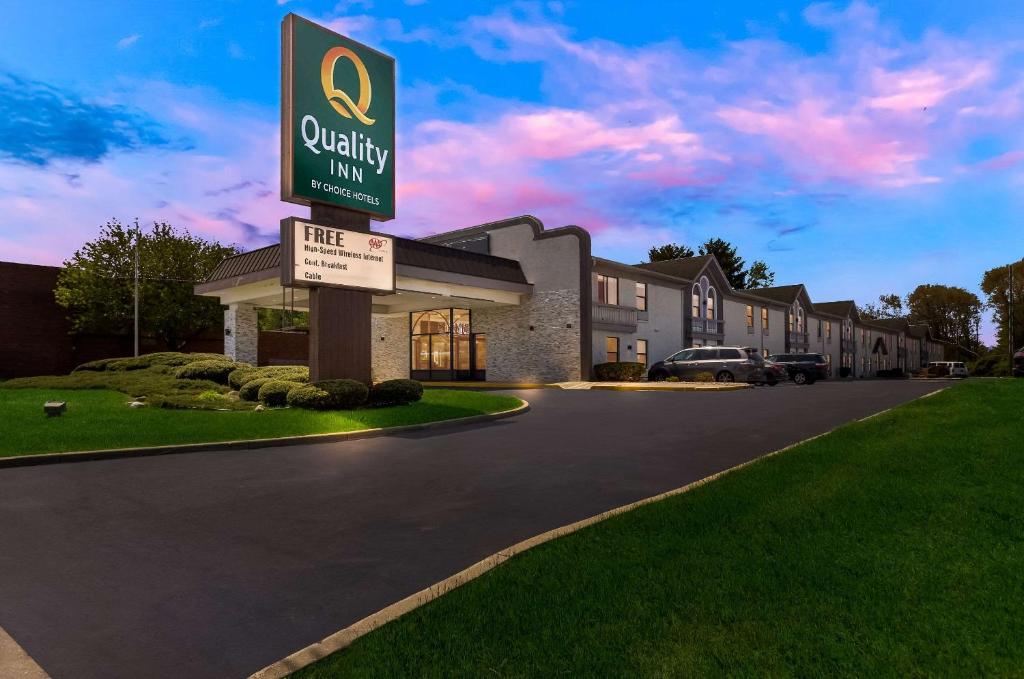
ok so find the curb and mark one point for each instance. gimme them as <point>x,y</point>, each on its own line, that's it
<point>253,444</point>
<point>345,637</point>
<point>15,663</point>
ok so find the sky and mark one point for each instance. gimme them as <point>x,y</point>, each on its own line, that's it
<point>858,148</point>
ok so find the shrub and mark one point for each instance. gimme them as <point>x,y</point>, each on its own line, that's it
<point>671,378</point>
<point>622,371</point>
<point>940,370</point>
<point>704,377</point>
<point>239,376</point>
<point>274,393</point>
<point>330,395</point>
<point>213,370</point>
<point>96,366</point>
<point>346,394</point>
<point>396,393</point>
<point>845,371</point>
<point>889,373</point>
<point>165,358</point>
<point>250,391</point>
<point>288,373</point>
<point>310,397</point>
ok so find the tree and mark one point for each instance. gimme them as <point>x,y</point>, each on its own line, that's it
<point>731,263</point>
<point>996,286</point>
<point>952,313</point>
<point>668,251</point>
<point>759,275</point>
<point>96,284</point>
<point>889,306</point>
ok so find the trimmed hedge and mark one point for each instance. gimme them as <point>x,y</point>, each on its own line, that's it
<point>890,373</point>
<point>288,373</point>
<point>239,376</point>
<point>166,358</point>
<point>213,370</point>
<point>329,395</point>
<point>622,371</point>
<point>310,397</point>
<point>274,393</point>
<point>395,393</point>
<point>250,391</point>
<point>96,366</point>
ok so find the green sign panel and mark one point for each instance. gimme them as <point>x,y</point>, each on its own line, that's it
<point>337,121</point>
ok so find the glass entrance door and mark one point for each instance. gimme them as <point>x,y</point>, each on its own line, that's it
<point>443,346</point>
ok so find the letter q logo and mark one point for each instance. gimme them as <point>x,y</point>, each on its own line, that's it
<point>339,99</point>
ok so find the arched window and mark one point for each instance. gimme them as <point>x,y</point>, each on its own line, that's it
<point>799,318</point>
<point>710,308</point>
<point>695,302</point>
<point>431,322</point>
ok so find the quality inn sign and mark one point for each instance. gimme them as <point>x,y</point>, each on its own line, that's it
<point>337,121</point>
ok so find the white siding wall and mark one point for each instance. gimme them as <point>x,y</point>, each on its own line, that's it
<point>662,327</point>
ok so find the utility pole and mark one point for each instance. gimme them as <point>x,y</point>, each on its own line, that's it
<point>138,233</point>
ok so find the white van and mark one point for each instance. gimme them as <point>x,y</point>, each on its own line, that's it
<point>956,368</point>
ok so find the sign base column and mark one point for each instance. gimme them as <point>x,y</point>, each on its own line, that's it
<point>339,334</point>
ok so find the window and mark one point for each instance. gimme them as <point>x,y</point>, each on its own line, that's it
<point>828,330</point>
<point>729,354</point>
<point>749,314</point>
<point>828,362</point>
<point>607,289</point>
<point>641,296</point>
<point>641,352</point>
<point>695,303</point>
<point>764,319</point>
<point>711,304</point>
<point>789,320</point>
<point>611,347</point>
<point>799,319</point>
<point>684,355</point>
<point>819,327</point>
<point>705,355</point>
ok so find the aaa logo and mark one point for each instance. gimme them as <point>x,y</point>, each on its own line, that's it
<point>339,99</point>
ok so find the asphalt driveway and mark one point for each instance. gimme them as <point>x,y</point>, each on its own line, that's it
<point>217,564</point>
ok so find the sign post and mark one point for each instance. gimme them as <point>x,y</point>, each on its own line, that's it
<point>338,157</point>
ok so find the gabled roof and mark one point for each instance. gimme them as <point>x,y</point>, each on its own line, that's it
<point>843,309</point>
<point>683,267</point>
<point>780,293</point>
<point>888,323</point>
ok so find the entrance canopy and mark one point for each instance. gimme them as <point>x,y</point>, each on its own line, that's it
<point>428,276</point>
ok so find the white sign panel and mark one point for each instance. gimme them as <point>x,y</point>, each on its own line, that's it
<point>317,255</point>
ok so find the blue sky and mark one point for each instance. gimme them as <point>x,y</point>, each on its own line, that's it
<point>858,148</point>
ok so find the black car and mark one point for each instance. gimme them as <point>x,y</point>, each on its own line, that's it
<point>1018,363</point>
<point>802,368</point>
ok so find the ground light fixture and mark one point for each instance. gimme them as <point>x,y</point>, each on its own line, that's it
<point>55,408</point>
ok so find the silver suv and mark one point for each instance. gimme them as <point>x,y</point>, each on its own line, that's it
<point>725,364</point>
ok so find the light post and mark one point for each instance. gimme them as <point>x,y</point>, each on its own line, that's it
<point>138,235</point>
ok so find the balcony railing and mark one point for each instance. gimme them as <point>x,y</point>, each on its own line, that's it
<point>614,317</point>
<point>798,338</point>
<point>707,326</point>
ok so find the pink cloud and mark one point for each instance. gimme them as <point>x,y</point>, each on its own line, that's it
<point>1003,161</point>
<point>820,144</point>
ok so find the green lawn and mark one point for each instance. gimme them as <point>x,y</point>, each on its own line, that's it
<point>98,419</point>
<point>892,547</point>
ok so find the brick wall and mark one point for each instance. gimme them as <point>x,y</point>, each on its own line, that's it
<point>34,337</point>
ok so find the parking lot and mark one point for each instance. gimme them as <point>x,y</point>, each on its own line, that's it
<point>216,564</point>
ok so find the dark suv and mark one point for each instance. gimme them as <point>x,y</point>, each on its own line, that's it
<point>802,368</point>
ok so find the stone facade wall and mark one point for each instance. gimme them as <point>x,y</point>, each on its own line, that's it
<point>243,322</point>
<point>389,346</point>
<point>550,352</point>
